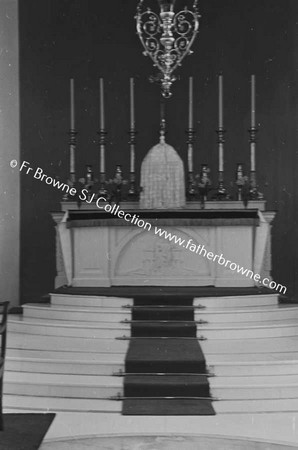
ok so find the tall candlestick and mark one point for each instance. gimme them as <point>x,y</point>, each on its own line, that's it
<point>72,105</point>
<point>102,125</point>
<point>132,125</point>
<point>253,101</point>
<point>220,101</point>
<point>102,109</point>
<point>220,124</point>
<point>132,104</point>
<point>72,142</point>
<point>190,104</point>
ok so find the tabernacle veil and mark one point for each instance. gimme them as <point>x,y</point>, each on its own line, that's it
<point>162,178</point>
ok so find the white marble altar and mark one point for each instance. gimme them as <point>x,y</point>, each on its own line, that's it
<point>128,255</point>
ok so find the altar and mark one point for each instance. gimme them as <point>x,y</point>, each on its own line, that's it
<point>95,248</point>
<point>198,233</point>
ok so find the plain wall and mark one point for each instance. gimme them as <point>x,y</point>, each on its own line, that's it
<point>9,149</point>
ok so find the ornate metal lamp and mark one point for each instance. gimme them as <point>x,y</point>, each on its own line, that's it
<point>167,37</point>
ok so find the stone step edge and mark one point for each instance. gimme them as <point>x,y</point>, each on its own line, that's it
<point>210,365</point>
<point>91,325</point>
<point>80,309</point>
<point>123,326</point>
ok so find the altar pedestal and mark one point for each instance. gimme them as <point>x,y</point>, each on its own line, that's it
<point>101,250</point>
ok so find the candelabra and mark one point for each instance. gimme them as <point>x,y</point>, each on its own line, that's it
<point>167,37</point>
<point>203,184</point>
<point>242,183</point>
<point>116,185</point>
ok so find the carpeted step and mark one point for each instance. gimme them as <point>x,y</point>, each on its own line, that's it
<point>167,407</point>
<point>166,385</point>
<point>164,356</point>
<point>164,344</point>
<point>165,313</point>
<point>153,300</point>
<point>163,329</point>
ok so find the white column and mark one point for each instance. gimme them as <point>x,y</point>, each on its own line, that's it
<point>9,150</point>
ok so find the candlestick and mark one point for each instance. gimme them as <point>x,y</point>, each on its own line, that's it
<point>72,105</point>
<point>72,133</point>
<point>132,104</point>
<point>132,143</point>
<point>190,141</point>
<point>102,177</point>
<point>221,191</point>
<point>190,104</point>
<point>253,181</point>
<point>253,101</point>
<point>220,101</point>
<point>101,105</point>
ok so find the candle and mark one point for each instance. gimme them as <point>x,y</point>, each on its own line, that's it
<point>220,101</point>
<point>190,104</point>
<point>253,101</point>
<point>72,105</point>
<point>132,104</point>
<point>101,104</point>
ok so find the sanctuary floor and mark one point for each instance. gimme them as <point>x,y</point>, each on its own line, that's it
<point>77,431</point>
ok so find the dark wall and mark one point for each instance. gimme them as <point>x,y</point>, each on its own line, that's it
<point>60,39</point>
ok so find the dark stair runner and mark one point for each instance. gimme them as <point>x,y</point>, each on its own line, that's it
<point>165,369</point>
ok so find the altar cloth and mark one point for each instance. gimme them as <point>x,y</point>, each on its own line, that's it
<point>182,217</point>
<point>162,178</point>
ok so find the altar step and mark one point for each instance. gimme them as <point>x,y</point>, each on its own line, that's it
<point>104,387</point>
<point>65,355</point>
<point>59,361</point>
<point>103,330</point>
<point>67,344</point>
<point>237,301</point>
<point>87,301</point>
<point>242,346</point>
<point>255,315</point>
<point>41,363</point>
<point>254,367</point>
<point>117,314</point>
<point>76,313</point>
<point>222,301</point>
<point>62,385</point>
<point>21,404</point>
<point>113,330</point>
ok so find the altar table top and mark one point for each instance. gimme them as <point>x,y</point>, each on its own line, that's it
<point>179,217</point>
